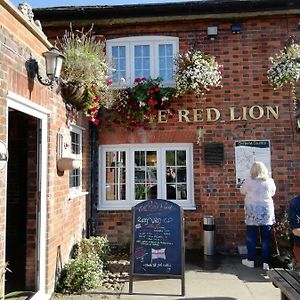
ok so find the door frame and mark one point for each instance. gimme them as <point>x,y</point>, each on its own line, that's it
<point>25,106</point>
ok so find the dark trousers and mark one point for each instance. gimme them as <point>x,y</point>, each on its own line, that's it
<point>265,235</point>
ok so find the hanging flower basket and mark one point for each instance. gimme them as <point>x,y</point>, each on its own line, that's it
<point>285,67</point>
<point>196,72</point>
<point>73,94</point>
<point>138,105</point>
<point>85,73</point>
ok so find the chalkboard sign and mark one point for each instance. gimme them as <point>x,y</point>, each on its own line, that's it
<point>157,244</point>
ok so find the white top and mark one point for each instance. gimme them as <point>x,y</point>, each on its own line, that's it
<point>259,206</point>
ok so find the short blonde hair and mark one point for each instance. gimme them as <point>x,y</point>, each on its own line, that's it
<point>259,171</point>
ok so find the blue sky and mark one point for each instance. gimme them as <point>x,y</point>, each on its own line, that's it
<point>53,3</point>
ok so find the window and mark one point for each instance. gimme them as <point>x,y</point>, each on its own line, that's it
<point>142,56</point>
<point>133,173</point>
<point>75,176</point>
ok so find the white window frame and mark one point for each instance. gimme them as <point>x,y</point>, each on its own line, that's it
<point>129,150</point>
<point>77,190</point>
<point>153,42</point>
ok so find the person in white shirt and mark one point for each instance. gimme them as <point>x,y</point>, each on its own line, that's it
<point>258,189</point>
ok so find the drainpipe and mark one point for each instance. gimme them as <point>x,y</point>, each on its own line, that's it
<point>91,226</point>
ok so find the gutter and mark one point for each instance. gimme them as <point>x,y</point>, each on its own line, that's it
<point>177,11</point>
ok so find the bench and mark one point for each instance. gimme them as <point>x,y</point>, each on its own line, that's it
<point>288,281</point>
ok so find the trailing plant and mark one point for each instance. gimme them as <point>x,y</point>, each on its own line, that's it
<point>85,68</point>
<point>196,72</point>
<point>84,270</point>
<point>285,67</point>
<point>138,105</point>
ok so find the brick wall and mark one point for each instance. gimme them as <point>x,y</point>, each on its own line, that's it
<point>245,59</point>
<point>66,219</point>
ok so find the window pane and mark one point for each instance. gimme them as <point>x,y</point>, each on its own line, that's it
<point>75,143</point>
<point>171,192</point>
<point>170,174</point>
<point>151,158</point>
<point>145,175</point>
<point>181,175</point>
<point>115,175</point>
<point>139,158</point>
<point>181,158</point>
<point>119,63</point>
<point>142,61</point>
<point>181,192</point>
<point>166,61</point>
<point>74,178</point>
<point>170,158</point>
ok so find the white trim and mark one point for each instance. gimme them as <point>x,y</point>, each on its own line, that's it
<point>76,191</point>
<point>24,105</point>
<point>188,204</point>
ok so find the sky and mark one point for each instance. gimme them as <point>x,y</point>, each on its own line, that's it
<point>54,3</point>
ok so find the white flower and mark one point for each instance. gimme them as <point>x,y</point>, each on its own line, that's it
<point>196,72</point>
<point>285,67</point>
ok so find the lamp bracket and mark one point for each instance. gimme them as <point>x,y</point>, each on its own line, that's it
<point>32,68</point>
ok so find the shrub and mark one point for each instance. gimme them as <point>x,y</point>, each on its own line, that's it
<point>85,270</point>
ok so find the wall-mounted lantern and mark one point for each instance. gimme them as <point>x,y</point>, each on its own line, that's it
<point>54,60</point>
<point>65,161</point>
<point>3,155</point>
<point>212,32</point>
<point>236,28</point>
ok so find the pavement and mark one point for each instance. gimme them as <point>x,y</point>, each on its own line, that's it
<point>219,277</point>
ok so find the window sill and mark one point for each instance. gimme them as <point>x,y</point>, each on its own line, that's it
<point>127,208</point>
<point>77,195</point>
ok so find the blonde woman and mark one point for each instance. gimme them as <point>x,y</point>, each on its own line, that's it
<point>258,189</point>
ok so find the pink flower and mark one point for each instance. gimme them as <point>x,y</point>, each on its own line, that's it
<point>157,90</point>
<point>109,81</point>
<point>138,79</point>
<point>96,122</point>
<point>93,87</point>
<point>96,99</point>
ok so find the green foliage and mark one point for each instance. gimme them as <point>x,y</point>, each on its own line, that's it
<point>138,105</point>
<point>94,245</point>
<point>85,270</point>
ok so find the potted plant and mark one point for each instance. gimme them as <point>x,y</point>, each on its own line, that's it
<point>85,71</point>
<point>196,72</point>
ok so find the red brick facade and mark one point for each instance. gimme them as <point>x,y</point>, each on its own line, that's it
<point>245,57</point>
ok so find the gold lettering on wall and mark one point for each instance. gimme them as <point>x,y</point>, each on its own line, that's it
<point>232,114</point>
<point>213,114</point>
<point>216,114</point>
<point>256,109</point>
<point>198,115</point>
<point>183,113</point>
<point>162,116</point>
<point>274,113</point>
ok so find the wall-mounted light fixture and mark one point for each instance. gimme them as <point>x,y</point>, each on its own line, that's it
<point>212,32</point>
<point>236,28</point>
<point>54,60</point>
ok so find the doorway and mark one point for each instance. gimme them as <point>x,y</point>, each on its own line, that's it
<point>26,213</point>
<point>22,202</point>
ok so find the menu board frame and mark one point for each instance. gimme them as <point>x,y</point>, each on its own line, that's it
<point>157,237</point>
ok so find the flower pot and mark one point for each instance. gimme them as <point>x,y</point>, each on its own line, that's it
<point>73,94</point>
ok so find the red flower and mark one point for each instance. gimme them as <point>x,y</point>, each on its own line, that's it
<point>157,90</point>
<point>96,99</point>
<point>96,122</point>
<point>153,111</point>
<point>152,102</point>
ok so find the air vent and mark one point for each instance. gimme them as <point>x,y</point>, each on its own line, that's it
<point>213,153</point>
